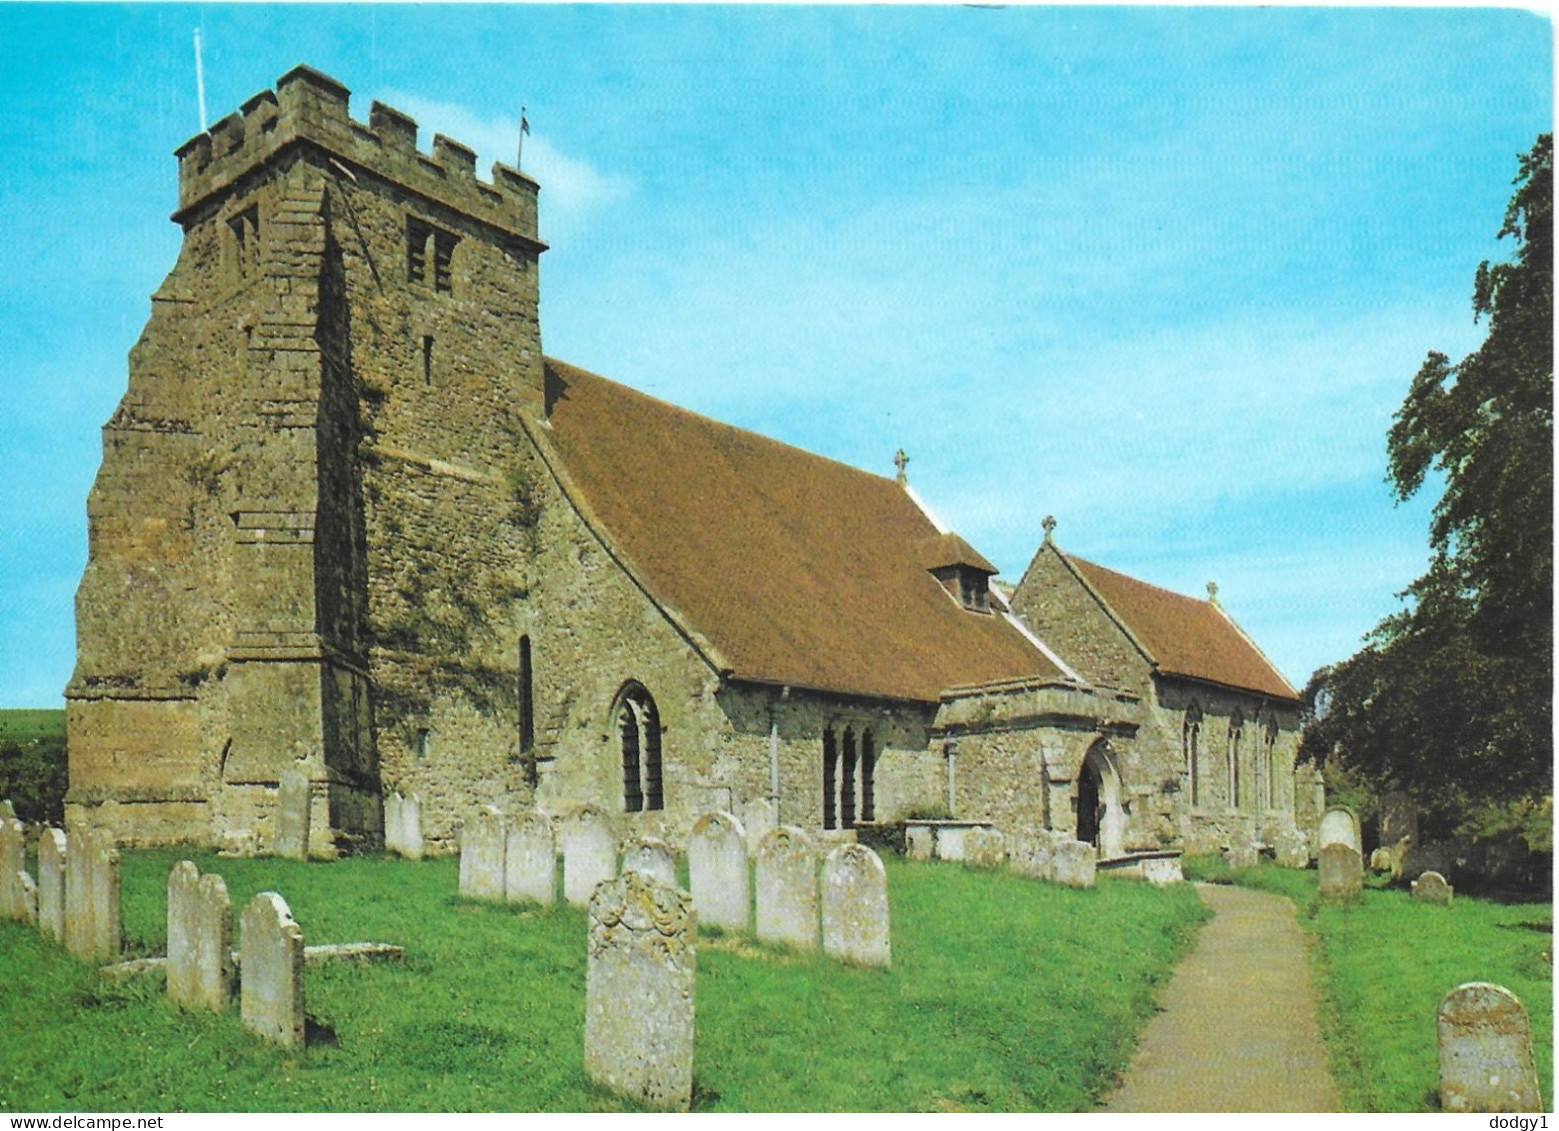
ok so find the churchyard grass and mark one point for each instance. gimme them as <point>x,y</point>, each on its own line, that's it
<point>1383,963</point>
<point>1004,994</point>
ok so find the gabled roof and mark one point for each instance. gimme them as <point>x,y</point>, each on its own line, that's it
<point>1183,635</point>
<point>797,569</point>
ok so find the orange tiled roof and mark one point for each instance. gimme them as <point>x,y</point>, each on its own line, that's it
<point>798,570</point>
<point>1186,636</point>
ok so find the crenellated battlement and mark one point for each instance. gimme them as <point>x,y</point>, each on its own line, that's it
<point>308,108</point>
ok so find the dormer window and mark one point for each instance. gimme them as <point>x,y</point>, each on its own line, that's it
<point>963,572</point>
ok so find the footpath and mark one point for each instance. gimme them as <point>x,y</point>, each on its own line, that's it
<point>1238,1029</point>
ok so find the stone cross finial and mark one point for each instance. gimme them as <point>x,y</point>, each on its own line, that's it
<point>901,461</point>
<point>1212,592</point>
<point>1049,526</point>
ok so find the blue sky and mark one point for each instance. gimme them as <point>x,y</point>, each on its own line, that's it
<point>1164,273</point>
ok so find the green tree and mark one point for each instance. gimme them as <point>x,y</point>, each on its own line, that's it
<point>1451,698</point>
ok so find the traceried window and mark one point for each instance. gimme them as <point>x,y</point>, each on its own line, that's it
<point>849,772</point>
<point>1236,731</point>
<point>1190,737</point>
<point>638,728</point>
<point>1269,758</point>
<point>830,780</point>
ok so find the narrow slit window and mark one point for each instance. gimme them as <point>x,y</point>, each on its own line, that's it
<point>830,770</point>
<point>417,235</point>
<point>847,782</point>
<point>868,774</point>
<point>527,706</point>
<point>427,359</point>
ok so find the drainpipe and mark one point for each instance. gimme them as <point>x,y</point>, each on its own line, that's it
<point>950,750</point>
<point>774,792</point>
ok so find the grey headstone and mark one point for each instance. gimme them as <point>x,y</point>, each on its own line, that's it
<point>294,798</point>
<point>403,825</point>
<point>1432,888</point>
<point>1380,860</point>
<point>985,848</point>
<point>950,842</point>
<point>1341,871</point>
<point>1159,870</point>
<point>1242,854</point>
<point>200,939</point>
<point>1291,849</point>
<point>653,855</point>
<point>1486,1051</point>
<point>530,870</point>
<point>589,853</point>
<point>855,907</point>
<point>92,896</point>
<point>920,842</point>
<point>1075,864</point>
<point>51,884</point>
<point>718,872</point>
<point>13,861</point>
<point>482,854</point>
<point>639,981</point>
<point>1341,826</point>
<point>28,892</point>
<point>785,875</point>
<point>1033,855</point>
<point>270,959</point>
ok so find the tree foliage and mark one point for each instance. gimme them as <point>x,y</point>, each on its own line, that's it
<point>1451,698</point>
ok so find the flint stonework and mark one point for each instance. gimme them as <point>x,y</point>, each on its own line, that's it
<point>1432,888</point>
<point>653,855</point>
<point>589,854</point>
<point>290,833</point>
<point>403,825</point>
<point>855,907</point>
<point>785,875</point>
<point>639,982</point>
<point>270,958</point>
<point>1341,826</point>
<point>1485,1041</point>
<point>1075,864</point>
<point>482,855</point>
<point>1033,856</point>
<point>985,848</point>
<point>1341,871</point>
<point>530,870</point>
<point>718,873</point>
<point>200,939</point>
<point>51,884</point>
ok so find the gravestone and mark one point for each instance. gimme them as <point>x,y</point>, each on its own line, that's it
<point>28,892</point>
<point>1486,1051</point>
<point>270,960</point>
<point>403,825</point>
<point>919,842</point>
<point>639,980</point>
<point>92,895</point>
<point>290,838</point>
<point>653,855</point>
<point>51,884</point>
<point>200,939</point>
<point>1033,855</point>
<point>530,870</point>
<point>951,842</point>
<point>1242,854</point>
<point>1432,888</point>
<point>718,873</point>
<point>589,853</point>
<point>1341,826</point>
<point>1341,871</point>
<point>1380,860</point>
<point>985,848</point>
<point>481,854</point>
<point>1075,863</point>
<point>1161,870</point>
<point>13,862</point>
<point>1291,849</point>
<point>785,875</point>
<point>855,907</point>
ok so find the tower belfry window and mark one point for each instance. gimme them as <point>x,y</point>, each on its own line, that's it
<point>245,242</point>
<point>424,242</point>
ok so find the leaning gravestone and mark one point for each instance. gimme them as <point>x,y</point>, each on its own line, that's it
<point>985,848</point>
<point>92,895</point>
<point>1341,826</point>
<point>1340,871</point>
<point>1486,1051</point>
<point>718,872</point>
<point>481,854</point>
<point>51,884</point>
<point>919,842</point>
<point>1034,856</point>
<point>530,869</point>
<point>785,875</point>
<point>403,825</point>
<point>1432,888</point>
<point>200,939</point>
<point>1075,863</point>
<point>13,863</point>
<point>653,855</point>
<point>855,907</point>
<point>270,959</point>
<point>639,980</point>
<point>1291,849</point>
<point>589,853</point>
<point>291,830</point>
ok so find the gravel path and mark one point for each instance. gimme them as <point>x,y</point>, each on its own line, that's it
<point>1238,1029</point>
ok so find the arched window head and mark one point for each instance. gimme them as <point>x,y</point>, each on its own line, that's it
<point>1236,729</point>
<point>638,731</point>
<point>1190,734</point>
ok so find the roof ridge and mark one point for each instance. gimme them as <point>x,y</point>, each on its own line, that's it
<point>1147,584</point>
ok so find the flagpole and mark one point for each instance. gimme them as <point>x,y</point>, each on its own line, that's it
<point>519,149</point>
<point>200,83</point>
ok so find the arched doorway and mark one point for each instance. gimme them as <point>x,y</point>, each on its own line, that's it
<point>1101,812</point>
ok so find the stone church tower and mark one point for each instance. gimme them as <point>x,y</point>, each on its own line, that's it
<point>316,483</point>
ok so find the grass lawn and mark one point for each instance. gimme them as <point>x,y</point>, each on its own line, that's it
<point>1383,964</point>
<point>1005,994</point>
<point>23,724</point>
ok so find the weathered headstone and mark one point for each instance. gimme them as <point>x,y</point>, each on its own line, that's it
<point>653,855</point>
<point>290,822</point>
<point>1291,849</point>
<point>920,842</point>
<point>589,853</point>
<point>403,825</point>
<point>1432,888</point>
<point>718,873</point>
<point>92,895</point>
<point>1380,860</point>
<point>200,939</point>
<point>51,884</point>
<point>481,854</point>
<point>855,907</point>
<point>1341,871</point>
<point>28,892</point>
<point>1075,863</point>
<point>985,848</point>
<point>1341,826</point>
<point>1486,1051</point>
<point>1160,870</point>
<point>530,870</point>
<point>639,980</point>
<point>1242,854</point>
<point>13,862</point>
<point>270,959</point>
<point>1033,855</point>
<point>951,841</point>
<point>785,875</point>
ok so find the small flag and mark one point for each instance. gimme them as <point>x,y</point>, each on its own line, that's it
<point>524,122</point>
